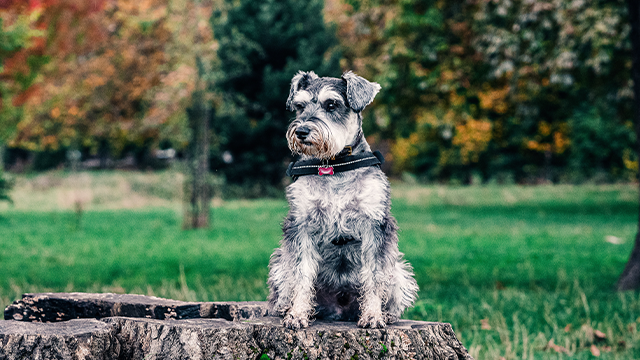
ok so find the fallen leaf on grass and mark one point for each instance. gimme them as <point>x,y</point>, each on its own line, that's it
<point>567,328</point>
<point>595,351</point>
<point>484,324</point>
<point>599,334</point>
<point>557,348</point>
<point>613,240</point>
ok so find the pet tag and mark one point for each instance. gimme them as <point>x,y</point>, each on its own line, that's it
<point>325,170</point>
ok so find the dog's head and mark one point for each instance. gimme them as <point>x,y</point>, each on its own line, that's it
<point>327,112</point>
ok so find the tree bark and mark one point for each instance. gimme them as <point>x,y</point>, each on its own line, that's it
<point>630,277</point>
<point>86,339</point>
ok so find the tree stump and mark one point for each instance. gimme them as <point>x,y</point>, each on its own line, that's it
<point>154,328</point>
<point>74,339</point>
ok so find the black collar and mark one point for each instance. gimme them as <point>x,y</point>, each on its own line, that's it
<point>335,165</point>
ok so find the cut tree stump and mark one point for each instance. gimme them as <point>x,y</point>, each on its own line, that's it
<point>155,328</point>
<point>74,339</point>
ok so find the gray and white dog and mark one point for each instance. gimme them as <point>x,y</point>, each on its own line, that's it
<point>339,256</point>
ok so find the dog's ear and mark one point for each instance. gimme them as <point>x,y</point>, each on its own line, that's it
<point>299,82</point>
<point>360,91</point>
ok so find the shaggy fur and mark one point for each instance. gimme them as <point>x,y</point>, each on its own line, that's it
<point>365,278</point>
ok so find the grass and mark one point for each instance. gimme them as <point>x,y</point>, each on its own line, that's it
<point>519,272</point>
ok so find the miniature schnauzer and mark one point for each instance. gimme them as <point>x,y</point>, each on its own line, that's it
<point>339,256</point>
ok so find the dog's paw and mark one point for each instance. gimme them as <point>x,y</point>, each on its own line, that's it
<point>295,322</point>
<point>373,321</point>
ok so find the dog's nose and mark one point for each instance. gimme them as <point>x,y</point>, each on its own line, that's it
<point>302,132</point>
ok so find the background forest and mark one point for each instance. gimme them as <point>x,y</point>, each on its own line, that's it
<point>472,91</point>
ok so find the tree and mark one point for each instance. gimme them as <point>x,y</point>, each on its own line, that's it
<point>120,76</point>
<point>197,189</point>
<point>262,44</point>
<point>569,97</point>
<point>630,277</point>
<point>20,62</point>
<point>99,83</point>
<point>197,47</point>
<point>489,87</point>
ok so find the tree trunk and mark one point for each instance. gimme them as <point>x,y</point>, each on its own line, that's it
<point>197,194</point>
<point>197,190</point>
<point>630,278</point>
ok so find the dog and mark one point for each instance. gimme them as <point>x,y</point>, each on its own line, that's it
<point>338,258</point>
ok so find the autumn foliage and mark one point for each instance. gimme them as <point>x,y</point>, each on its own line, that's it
<point>528,90</point>
<point>117,74</point>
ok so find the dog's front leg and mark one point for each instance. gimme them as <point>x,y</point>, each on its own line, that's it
<point>374,284</point>
<point>305,269</point>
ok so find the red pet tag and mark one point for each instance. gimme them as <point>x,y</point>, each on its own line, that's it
<point>328,170</point>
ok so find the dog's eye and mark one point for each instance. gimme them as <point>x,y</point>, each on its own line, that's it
<point>331,105</point>
<point>299,107</point>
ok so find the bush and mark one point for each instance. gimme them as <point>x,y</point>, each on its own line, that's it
<point>600,144</point>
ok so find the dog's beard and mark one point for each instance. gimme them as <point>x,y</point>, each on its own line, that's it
<point>317,143</point>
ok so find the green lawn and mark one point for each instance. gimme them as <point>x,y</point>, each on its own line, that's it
<point>511,268</point>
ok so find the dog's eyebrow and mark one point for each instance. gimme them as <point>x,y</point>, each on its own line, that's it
<point>329,93</point>
<point>302,96</point>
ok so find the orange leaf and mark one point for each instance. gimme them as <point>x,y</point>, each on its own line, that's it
<point>595,351</point>
<point>55,113</point>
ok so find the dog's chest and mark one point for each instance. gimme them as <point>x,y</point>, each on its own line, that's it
<point>342,200</point>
